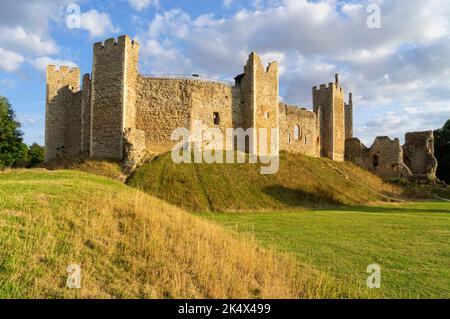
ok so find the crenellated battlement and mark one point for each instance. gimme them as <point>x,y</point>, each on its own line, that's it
<point>113,42</point>
<point>62,69</point>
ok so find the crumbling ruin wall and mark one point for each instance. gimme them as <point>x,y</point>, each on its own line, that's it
<point>384,158</point>
<point>299,130</point>
<point>419,153</point>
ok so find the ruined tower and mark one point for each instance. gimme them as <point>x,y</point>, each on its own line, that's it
<point>349,117</point>
<point>328,101</point>
<point>259,101</point>
<point>114,76</point>
<point>62,119</point>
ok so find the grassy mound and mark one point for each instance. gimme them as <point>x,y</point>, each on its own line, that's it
<point>130,245</point>
<point>301,181</point>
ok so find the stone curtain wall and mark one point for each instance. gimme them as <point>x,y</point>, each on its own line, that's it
<point>61,102</point>
<point>308,135</point>
<point>162,106</point>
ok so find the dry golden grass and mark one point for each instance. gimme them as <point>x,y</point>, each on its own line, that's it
<point>131,245</point>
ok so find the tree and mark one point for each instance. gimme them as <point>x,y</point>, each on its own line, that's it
<point>12,148</point>
<point>35,154</point>
<point>442,152</point>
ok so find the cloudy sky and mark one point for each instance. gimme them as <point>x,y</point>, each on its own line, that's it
<point>399,73</point>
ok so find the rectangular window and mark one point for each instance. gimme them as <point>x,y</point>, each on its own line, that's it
<point>216,118</point>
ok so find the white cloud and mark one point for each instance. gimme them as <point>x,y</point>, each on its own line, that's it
<point>227,3</point>
<point>140,5</point>
<point>42,62</point>
<point>24,30</point>
<point>10,61</point>
<point>18,39</point>
<point>401,67</point>
<point>97,23</point>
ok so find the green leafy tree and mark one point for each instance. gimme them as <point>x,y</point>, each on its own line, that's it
<point>12,148</point>
<point>442,152</point>
<point>35,154</point>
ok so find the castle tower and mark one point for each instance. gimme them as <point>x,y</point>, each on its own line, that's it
<point>328,102</point>
<point>60,101</point>
<point>349,118</point>
<point>259,101</point>
<point>114,76</point>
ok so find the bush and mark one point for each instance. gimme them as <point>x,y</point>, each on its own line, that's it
<point>35,155</point>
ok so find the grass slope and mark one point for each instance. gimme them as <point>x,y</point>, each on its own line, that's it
<point>409,241</point>
<point>300,182</point>
<point>130,245</point>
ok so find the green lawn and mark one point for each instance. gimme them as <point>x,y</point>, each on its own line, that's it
<point>411,243</point>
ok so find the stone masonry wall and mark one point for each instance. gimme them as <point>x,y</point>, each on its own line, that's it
<point>266,103</point>
<point>60,100</point>
<point>112,102</point>
<point>162,106</point>
<point>419,153</point>
<point>166,104</point>
<point>308,141</point>
<point>349,117</point>
<point>384,158</point>
<point>73,124</point>
<point>86,114</point>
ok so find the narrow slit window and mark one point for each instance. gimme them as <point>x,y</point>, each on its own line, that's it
<point>216,118</point>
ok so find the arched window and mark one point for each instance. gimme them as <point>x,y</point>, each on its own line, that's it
<point>296,132</point>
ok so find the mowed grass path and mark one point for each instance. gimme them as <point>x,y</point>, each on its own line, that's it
<point>411,243</point>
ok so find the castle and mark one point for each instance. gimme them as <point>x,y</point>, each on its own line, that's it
<point>122,114</point>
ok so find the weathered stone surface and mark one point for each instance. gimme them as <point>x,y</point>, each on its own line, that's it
<point>419,154</point>
<point>133,148</point>
<point>62,112</point>
<point>384,157</point>
<point>299,130</point>
<point>328,102</point>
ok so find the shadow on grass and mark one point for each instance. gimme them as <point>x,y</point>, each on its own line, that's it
<point>300,198</point>
<point>387,209</point>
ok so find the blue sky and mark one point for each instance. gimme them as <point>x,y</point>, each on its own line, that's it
<point>399,74</point>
